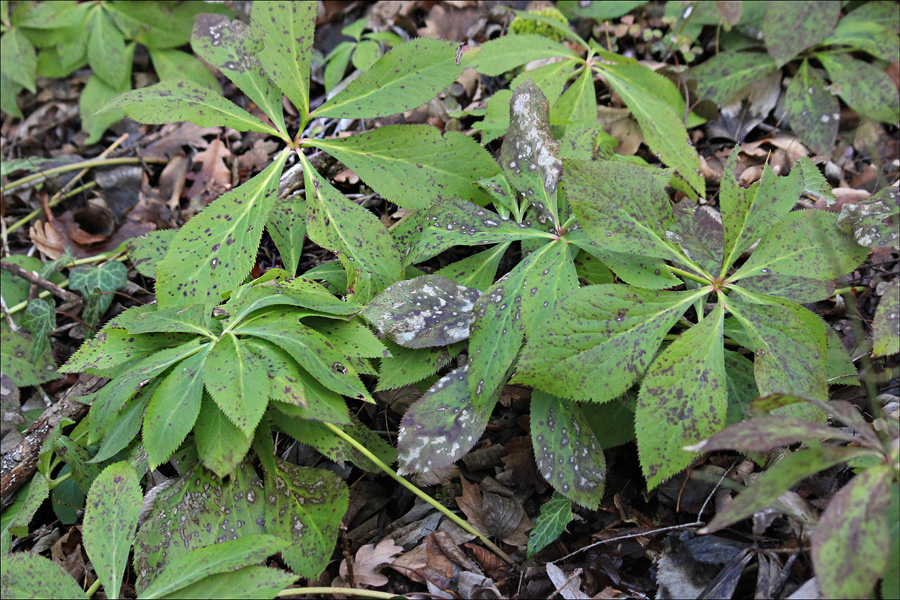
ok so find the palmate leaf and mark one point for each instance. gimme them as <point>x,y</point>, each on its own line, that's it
<point>215,250</point>
<point>407,77</point>
<point>633,269</point>
<point>230,47</point>
<point>423,312</point>
<point>600,340</point>
<point>567,453</point>
<point>805,243</point>
<point>519,301</point>
<point>724,75</point>
<point>698,230</point>
<point>181,100</point>
<point>114,346</point>
<point>106,47</point>
<point>577,106</point>
<point>354,340</point>
<point>414,165</point>
<point>683,399</point>
<point>313,295</point>
<point>305,506</point>
<point>287,31</point>
<point>322,438</point>
<point>441,426</point>
<point>194,319</point>
<point>529,152</point>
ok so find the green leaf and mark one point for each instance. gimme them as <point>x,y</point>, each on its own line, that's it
<point>362,243</point>
<point>287,31</point>
<point>33,495</point>
<point>814,182</point>
<point>113,347</point>
<point>26,575</point>
<point>311,349</point>
<point>110,521</point>
<point>496,115</point>
<point>216,511</point>
<point>321,437</point>
<point>78,458</point>
<point>19,58</point>
<point>175,64</point>
<point>508,52</point>
<point>181,100</point>
<point>550,78</point>
<point>245,582</point>
<point>173,408</point>
<point>95,95</point>
<point>890,585</point>
<point>477,271</point>
<point>567,453</point>
<point>851,544</point>
<point>286,225</point>
<point>555,515</point>
<point>812,111</point>
<point>839,369</point>
<point>610,329</point>
<point>442,426</point>
<point>622,207</point>
<point>216,249</point>
<point>805,243</point>
<point>529,152</point>
<point>406,366</point>
<point>886,324</point>
<point>724,75</point>
<point>786,473</point>
<point>338,59</point>
<point>795,288</point>
<point>748,213</point>
<point>519,302</point>
<point>876,36</point>
<point>633,269</point>
<point>414,165</point>
<point>663,128</point>
<point>16,350</point>
<point>405,78</point>
<point>99,281</point>
<point>612,422</point>
<point>235,378</point>
<point>766,432</point>
<point>146,251</point>
<point>106,48</point>
<point>864,87</point>
<point>8,91</point>
<point>458,223</point>
<point>195,319</point>
<point>305,506</point>
<point>423,312</point>
<point>40,319</point>
<point>201,563</point>
<point>313,295</point>
<point>789,28</point>
<point>125,426</point>
<point>230,47</point>
<point>683,399</point>
<point>577,105</point>
<point>698,230</point>
<point>873,222</point>
<point>220,443</point>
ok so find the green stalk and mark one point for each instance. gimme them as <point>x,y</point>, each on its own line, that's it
<point>332,591</point>
<point>687,275</point>
<point>96,162</point>
<point>443,509</point>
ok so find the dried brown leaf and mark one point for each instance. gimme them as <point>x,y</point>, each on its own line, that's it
<point>369,559</point>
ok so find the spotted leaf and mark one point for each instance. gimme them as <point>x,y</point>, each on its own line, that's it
<point>237,381</point>
<point>320,436</point>
<point>529,155</point>
<point>424,312</point>
<point>633,269</point>
<point>600,340</point>
<point>873,222</point>
<point>698,230</point>
<point>220,443</point>
<point>567,453</point>
<point>215,250</point>
<point>792,27</point>
<point>441,426</point>
<point>682,400</point>
<point>812,110</point>
<point>305,506</point>
<point>286,225</point>
<point>147,250</point>
<point>886,324</point>
<point>406,366</point>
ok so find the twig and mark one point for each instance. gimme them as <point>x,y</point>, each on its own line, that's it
<point>69,298</point>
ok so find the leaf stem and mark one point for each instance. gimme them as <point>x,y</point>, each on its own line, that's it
<point>687,275</point>
<point>93,589</point>
<point>425,497</point>
<point>333,591</point>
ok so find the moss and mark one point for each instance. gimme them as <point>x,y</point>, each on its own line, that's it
<point>522,25</point>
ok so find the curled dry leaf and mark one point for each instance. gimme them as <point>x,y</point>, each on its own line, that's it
<point>369,559</point>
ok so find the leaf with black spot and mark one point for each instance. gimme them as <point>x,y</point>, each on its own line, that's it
<point>354,340</point>
<point>633,269</point>
<point>287,227</point>
<point>566,451</point>
<point>424,312</point>
<point>683,399</point>
<point>235,378</point>
<point>214,251</point>
<point>113,347</point>
<point>873,222</point>
<point>529,152</point>
<point>441,426</point>
<point>406,366</point>
<point>311,294</point>
<point>698,230</point>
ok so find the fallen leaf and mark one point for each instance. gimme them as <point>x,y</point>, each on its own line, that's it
<point>568,587</point>
<point>369,559</point>
<point>214,176</point>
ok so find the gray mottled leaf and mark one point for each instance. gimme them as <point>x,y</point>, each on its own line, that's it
<point>724,75</point>
<point>886,324</point>
<point>698,230</point>
<point>812,111</point>
<point>423,312</point>
<point>873,222</point>
<point>790,28</point>
<point>864,87</point>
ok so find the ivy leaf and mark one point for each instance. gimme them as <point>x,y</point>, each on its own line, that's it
<point>555,514</point>
<point>146,251</point>
<point>873,222</point>
<point>287,31</point>
<point>458,223</point>
<point>96,282</point>
<point>813,112</point>
<point>423,312</point>
<point>110,520</point>
<point>864,87</point>
<point>414,165</point>
<point>362,244</point>
<point>805,243</point>
<point>230,47</point>
<point>610,329</point>
<point>16,351</point>
<point>181,100</point>
<point>39,319</point>
<point>305,506</point>
<point>683,399</point>
<point>724,75</point>
<point>220,443</point>
<point>216,249</point>
<point>529,152</point>
<point>663,128</point>
<point>496,57</point>
<point>567,453</point>
<point>886,324</point>
<point>286,225</point>
<point>790,28</point>
<point>519,300</point>
<point>441,426</point>
<point>173,409</point>
<point>407,77</point>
